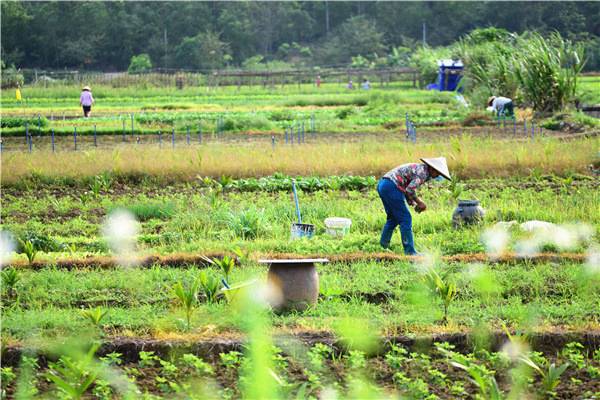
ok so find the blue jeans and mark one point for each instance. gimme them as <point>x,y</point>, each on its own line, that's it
<point>397,212</point>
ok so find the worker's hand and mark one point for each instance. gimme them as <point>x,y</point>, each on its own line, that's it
<point>420,207</point>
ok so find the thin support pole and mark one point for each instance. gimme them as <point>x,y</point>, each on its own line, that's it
<point>53,140</point>
<point>75,137</point>
<point>28,137</point>
<point>302,131</point>
<point>188,135</point>
<point>95,136</point>
<point>173,137</point>
<point>286,134</point>
<point>273,141</point>
<point>123,130</point>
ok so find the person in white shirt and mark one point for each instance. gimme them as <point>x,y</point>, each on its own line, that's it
<point>502,106</point>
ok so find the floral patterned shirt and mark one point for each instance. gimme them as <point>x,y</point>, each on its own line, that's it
<point>408,178</point>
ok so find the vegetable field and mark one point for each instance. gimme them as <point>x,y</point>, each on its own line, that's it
<point>130,269</point>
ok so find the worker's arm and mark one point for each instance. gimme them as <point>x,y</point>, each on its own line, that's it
<point>411,194</point>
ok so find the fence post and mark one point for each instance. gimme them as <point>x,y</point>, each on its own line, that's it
<point>273,141</point>
<point>123,129</point>
<point>53,139</point>
<point>286,134</point>
<point>27,136</point>
<point>188,135</point>
<point>95,137</point>
<point>525,127</point>
<point>75,137</point>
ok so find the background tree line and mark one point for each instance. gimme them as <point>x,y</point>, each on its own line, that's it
<point>207,35</point>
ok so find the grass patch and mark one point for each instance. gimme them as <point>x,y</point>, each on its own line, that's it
<point>146,211</point>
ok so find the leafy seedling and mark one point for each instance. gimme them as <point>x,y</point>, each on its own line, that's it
<point>187,299</point>
<point>225,264</point>
<point>10,279</point>
<point>29,250</point>
<point>441,287</point>
<point>243,256</point>
<point>94,315</point>
<point>482,377</point>
<point>74,377</point>
<point>210,286</point>
<point>550,375</point>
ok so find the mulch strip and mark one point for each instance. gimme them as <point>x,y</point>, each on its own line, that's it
<point>186,259</point>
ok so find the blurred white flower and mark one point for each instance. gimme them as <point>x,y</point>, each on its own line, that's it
<point>564,237</point>
<point>268,294</point>
<point>120,231</point>
<point>592,263</point>
<point>514,348</point>
<point>329,393</point>
<point>7,246</point>
<point>496,240</point>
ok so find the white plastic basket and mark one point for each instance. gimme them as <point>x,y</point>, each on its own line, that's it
<point>337,226</point>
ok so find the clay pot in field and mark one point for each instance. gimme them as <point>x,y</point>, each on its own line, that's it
<point>468,212</point>
<point>297,282</point>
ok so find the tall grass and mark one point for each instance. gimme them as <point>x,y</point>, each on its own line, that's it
<point>469,157</point>
<point>547,69</point>
<point>538,71</point>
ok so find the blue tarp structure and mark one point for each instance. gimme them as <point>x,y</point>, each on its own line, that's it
<point>449,75</point>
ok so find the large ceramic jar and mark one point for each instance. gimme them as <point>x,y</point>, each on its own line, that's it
<point>468,212</point>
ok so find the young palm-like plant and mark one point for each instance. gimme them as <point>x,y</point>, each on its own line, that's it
<point>29,250</point>
<point>10,279</point>
<point>74,377</point>
<point>210,286</point>
<point>550,375</point>
<point>187,299</point>
<point>482,377</point>
<point>442,288</point>
<point>225,264</point>
<point>94,315</point>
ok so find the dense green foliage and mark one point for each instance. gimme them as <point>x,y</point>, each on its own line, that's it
<point>105,35</point>
<point>139,63</point>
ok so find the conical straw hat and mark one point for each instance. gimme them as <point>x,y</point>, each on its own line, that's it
<point>490,99</point>
<point>87,88</point>
<point>439,164</point>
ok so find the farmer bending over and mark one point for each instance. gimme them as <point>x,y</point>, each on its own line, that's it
<point>502,106</point>
<point>397,188</point>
